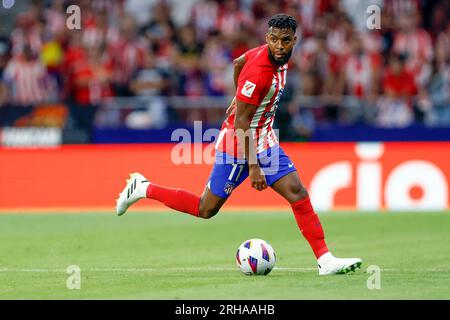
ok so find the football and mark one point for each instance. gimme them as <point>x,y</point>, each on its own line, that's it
<point>255,257</point>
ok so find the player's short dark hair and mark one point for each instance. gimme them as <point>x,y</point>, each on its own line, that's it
<point>283,21</point>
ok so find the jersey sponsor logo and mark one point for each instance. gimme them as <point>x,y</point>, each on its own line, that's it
<point>268,114</point>
<point>248,88</point>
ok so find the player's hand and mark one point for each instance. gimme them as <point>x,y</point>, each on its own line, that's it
<point>257,178</point>
<point>233,103</point>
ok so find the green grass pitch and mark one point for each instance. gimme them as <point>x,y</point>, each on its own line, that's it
<point>170,255</point>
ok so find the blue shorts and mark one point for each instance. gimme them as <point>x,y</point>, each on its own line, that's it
<point>228,172</point>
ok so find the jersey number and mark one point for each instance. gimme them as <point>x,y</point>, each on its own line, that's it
<point>235,165</point>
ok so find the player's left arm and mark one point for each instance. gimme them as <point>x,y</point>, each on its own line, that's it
<point>244,113</point>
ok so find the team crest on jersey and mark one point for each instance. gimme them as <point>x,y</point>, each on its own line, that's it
<point>248,88</point>
<point>228,188</point>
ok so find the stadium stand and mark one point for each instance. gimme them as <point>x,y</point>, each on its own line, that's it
<point>136,69</point>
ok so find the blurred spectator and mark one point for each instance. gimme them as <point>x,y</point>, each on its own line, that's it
<point>308,11</point>
<point>361,70</point>
<point>443,46</point>
<point>301,111</point>
<point>231,19</point>
<point>29,29</point>
<point>75,54</point>
<point>415,43</point>
<point>161,34</point>
<point>188,48</point>
<point>91,81</point>
<point>438,19</point>
<point>439,95</point>
<point>312,58</point>
<point>27,79</point>
<point>91,78</point>
<point>204,16</point>
<point>398,81</point>
<point>216,61</point>
<point>160,47</point>
<point>140,10</point>
<point>4,56</point>
<point>395,109</point>
<point>55,19</point>
<point>338,47</point>
<point>150,82</point>
<point>127,55</point>
<point>188,63</point>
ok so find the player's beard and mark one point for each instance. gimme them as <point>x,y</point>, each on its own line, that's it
<point>280,62</point>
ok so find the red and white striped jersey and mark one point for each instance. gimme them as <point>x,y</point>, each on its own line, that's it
<point>417,45</point>
<point>127,57</point>
<point>27,80</point>
<point>419,49</point>
<point>359,72</point>
<point>261,84</point>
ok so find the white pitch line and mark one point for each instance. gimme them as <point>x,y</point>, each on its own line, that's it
<point>137,270</point>
<point>199,269</point>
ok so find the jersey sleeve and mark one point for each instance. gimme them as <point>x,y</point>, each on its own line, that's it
<point>253,85</point>
<point>250,54</point>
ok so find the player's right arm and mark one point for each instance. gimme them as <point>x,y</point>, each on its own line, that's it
<point>244,113</point>
<point>238,64</point>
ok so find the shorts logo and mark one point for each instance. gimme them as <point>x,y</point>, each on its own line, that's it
<point>248,88</point>
<point>228,188</point>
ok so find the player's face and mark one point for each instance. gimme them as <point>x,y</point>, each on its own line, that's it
<point>281,42</point>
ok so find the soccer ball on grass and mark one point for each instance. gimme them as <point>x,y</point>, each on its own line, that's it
<point>255,256</point>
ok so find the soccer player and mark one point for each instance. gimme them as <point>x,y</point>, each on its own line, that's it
<point>247,147</point>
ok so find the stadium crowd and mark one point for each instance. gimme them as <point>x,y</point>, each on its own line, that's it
<point>340,71</point>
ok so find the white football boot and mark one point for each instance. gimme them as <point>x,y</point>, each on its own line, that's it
<point>328,264</point>
<point>135,189</point>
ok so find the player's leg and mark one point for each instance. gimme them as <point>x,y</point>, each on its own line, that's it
<point>224,178</point>
<point>226,175</point>
<point>210,204</point>
<point>286,182</point>
<point>139,187</point>
<point>205,206</point>
<point>291,188</point>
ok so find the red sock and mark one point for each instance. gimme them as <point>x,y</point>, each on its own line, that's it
<point>177,199</point>
<point>310,227</point>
